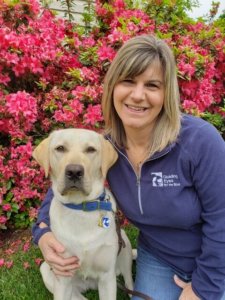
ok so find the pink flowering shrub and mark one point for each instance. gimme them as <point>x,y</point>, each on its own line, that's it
<point>51,76</point>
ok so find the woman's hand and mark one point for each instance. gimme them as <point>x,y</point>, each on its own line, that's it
<point>52,251</point>
<point>187,293</point>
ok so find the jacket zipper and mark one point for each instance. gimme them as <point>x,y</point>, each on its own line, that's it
<point>138,180</point>
<point>138,176</point>
<point>139,189</point>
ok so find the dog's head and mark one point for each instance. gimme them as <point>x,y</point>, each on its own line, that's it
<point>76,159</point>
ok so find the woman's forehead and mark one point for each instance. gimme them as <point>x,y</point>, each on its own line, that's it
<point>154,67</point>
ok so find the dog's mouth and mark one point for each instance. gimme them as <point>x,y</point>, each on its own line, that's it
<point>73,188</point>
<point>74,180</point>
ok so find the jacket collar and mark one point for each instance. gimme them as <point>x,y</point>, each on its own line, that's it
<point>155,156</point>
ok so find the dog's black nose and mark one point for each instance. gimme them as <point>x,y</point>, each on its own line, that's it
<point>74,172</point>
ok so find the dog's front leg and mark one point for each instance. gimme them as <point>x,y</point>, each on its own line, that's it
<point>107,286</point>
<point>63,288</point>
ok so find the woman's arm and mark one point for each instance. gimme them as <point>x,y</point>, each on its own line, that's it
<point>43,222</point>
<point>208,178</point>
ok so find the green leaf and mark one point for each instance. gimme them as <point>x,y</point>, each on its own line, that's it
<point>9,197</point>
<point>15,207</point>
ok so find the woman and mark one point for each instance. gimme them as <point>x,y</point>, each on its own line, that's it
<point>168,180</point>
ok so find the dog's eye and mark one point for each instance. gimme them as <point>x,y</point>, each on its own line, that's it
<point>60,149</point>
<point>90,149</point>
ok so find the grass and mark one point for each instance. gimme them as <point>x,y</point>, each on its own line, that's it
<point>23,284</point>
<point>22,280</point>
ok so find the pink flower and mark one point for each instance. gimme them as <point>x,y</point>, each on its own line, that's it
<point>93,115</point>
<point>77,107</point>
<point>92,93</point>
<point>186,69</point>
<point>9,264</point>
<point>38,261</point>
<point>100,10</point>
<point>2,262</point>
<point>35,6</point>
<point>24,151</point>
<point>9,251</point>
<point>22,105</point>
<point>91,75</point>
<point>189,105</point>
<point>33,213</point>
<point>3,219</point>
<point>26,265</point>
<point>65,115</point>
<point>106,53</point>
<point>26,246</point>
<point>119,4</point>
<point>132,27</point>
<point>6,207</point>
<point>117,36</point>
<point>88,42</point>
<point>4,79</point>
<point>196,28</point>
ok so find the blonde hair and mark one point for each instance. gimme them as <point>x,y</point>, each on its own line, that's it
<point>132,59</point>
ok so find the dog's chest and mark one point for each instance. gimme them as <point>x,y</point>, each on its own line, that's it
<point>96,246</point>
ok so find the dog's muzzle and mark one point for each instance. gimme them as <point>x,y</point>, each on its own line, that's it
<point>74,175</point>
<point>74,172</point>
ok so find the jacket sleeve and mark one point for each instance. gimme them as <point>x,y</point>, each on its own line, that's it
<point>208,280</point>
<point>43,216</point>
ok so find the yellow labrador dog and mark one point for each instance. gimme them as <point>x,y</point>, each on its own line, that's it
<point>82,214</point>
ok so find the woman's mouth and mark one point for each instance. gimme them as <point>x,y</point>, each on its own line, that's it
<point>136,108</point>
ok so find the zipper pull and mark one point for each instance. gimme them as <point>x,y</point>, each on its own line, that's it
<point>138,181</point>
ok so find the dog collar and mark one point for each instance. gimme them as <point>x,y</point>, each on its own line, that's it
<point>101,203</point>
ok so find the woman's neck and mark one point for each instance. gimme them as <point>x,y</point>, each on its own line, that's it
<point>138,148</point>
<point>137,139</point>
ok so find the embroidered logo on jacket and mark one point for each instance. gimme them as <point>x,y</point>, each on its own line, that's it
<point>161,180</point>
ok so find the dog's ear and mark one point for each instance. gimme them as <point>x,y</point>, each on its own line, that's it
<point>109,156</point>
<point>41,155</point>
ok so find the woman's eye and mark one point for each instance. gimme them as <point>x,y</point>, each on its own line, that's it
<point>127,81</point>
<point>60,148</point>
<point>153,85</point>
<point>90,149</point>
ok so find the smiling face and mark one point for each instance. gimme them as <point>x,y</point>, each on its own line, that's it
<point>138,101</point>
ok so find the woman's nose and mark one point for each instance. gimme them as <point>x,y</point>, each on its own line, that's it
<point>138,92</point>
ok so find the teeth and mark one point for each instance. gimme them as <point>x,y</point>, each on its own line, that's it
<point>136,108</point>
